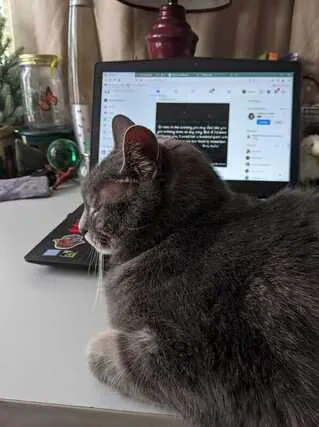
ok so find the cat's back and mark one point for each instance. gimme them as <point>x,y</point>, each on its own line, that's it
<point>285,226</point>
<point>271,254</point>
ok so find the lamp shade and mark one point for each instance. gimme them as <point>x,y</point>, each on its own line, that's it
<point>189,5</point>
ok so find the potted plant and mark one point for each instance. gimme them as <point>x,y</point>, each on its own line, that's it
<point>11,110</point>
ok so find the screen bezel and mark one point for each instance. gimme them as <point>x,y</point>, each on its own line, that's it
<point>256,188</point>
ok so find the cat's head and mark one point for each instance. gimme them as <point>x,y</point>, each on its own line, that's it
<point>145,185</point>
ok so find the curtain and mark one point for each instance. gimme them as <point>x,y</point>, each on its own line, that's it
<point>245,29</point>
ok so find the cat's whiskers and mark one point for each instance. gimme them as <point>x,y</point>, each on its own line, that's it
<point>142,227</point>
<point>99,289</point>
<point>91,259</point>
<point>96,262</point>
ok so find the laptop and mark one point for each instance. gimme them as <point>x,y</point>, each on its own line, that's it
<point>244,114</point>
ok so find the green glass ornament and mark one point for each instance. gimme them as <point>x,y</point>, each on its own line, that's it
<point>63,154</point>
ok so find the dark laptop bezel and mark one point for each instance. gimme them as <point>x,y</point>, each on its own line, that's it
<point>256,188</point>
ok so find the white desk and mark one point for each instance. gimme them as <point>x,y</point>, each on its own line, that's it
<point>47,316</point>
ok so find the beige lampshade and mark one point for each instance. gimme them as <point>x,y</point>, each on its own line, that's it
<point>189,5</point>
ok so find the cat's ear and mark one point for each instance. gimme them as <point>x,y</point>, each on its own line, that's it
<point>141,152</point>
<point>120,124</point>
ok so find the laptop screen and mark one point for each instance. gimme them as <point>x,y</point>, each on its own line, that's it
<point>241,120</point>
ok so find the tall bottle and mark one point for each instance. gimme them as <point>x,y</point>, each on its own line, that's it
<point>83,53</point>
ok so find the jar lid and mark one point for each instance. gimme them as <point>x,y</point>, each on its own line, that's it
<point>35,59</point>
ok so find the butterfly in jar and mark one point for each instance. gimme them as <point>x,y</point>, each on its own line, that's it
<point>47,99</point>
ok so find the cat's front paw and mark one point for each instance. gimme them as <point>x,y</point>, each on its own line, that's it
<point>103,357</point>
<point>106,365</point>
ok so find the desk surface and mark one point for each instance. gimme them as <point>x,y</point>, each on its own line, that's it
<point>47,315</point>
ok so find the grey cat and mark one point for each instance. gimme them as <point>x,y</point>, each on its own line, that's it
<point>213,296</point>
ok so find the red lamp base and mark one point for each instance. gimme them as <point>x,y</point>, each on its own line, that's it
<point>171,36</point>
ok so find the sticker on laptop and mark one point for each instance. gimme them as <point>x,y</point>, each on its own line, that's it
<point>68,241</point>
<point>51,252</point>
<point>68,254</point>
<point>74,229</point>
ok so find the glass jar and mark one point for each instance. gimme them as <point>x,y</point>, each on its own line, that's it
<point>43,92</point>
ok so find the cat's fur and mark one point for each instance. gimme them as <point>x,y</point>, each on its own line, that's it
<point>213,297</point>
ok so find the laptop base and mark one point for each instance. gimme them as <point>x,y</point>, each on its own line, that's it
<point>64,246</point>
